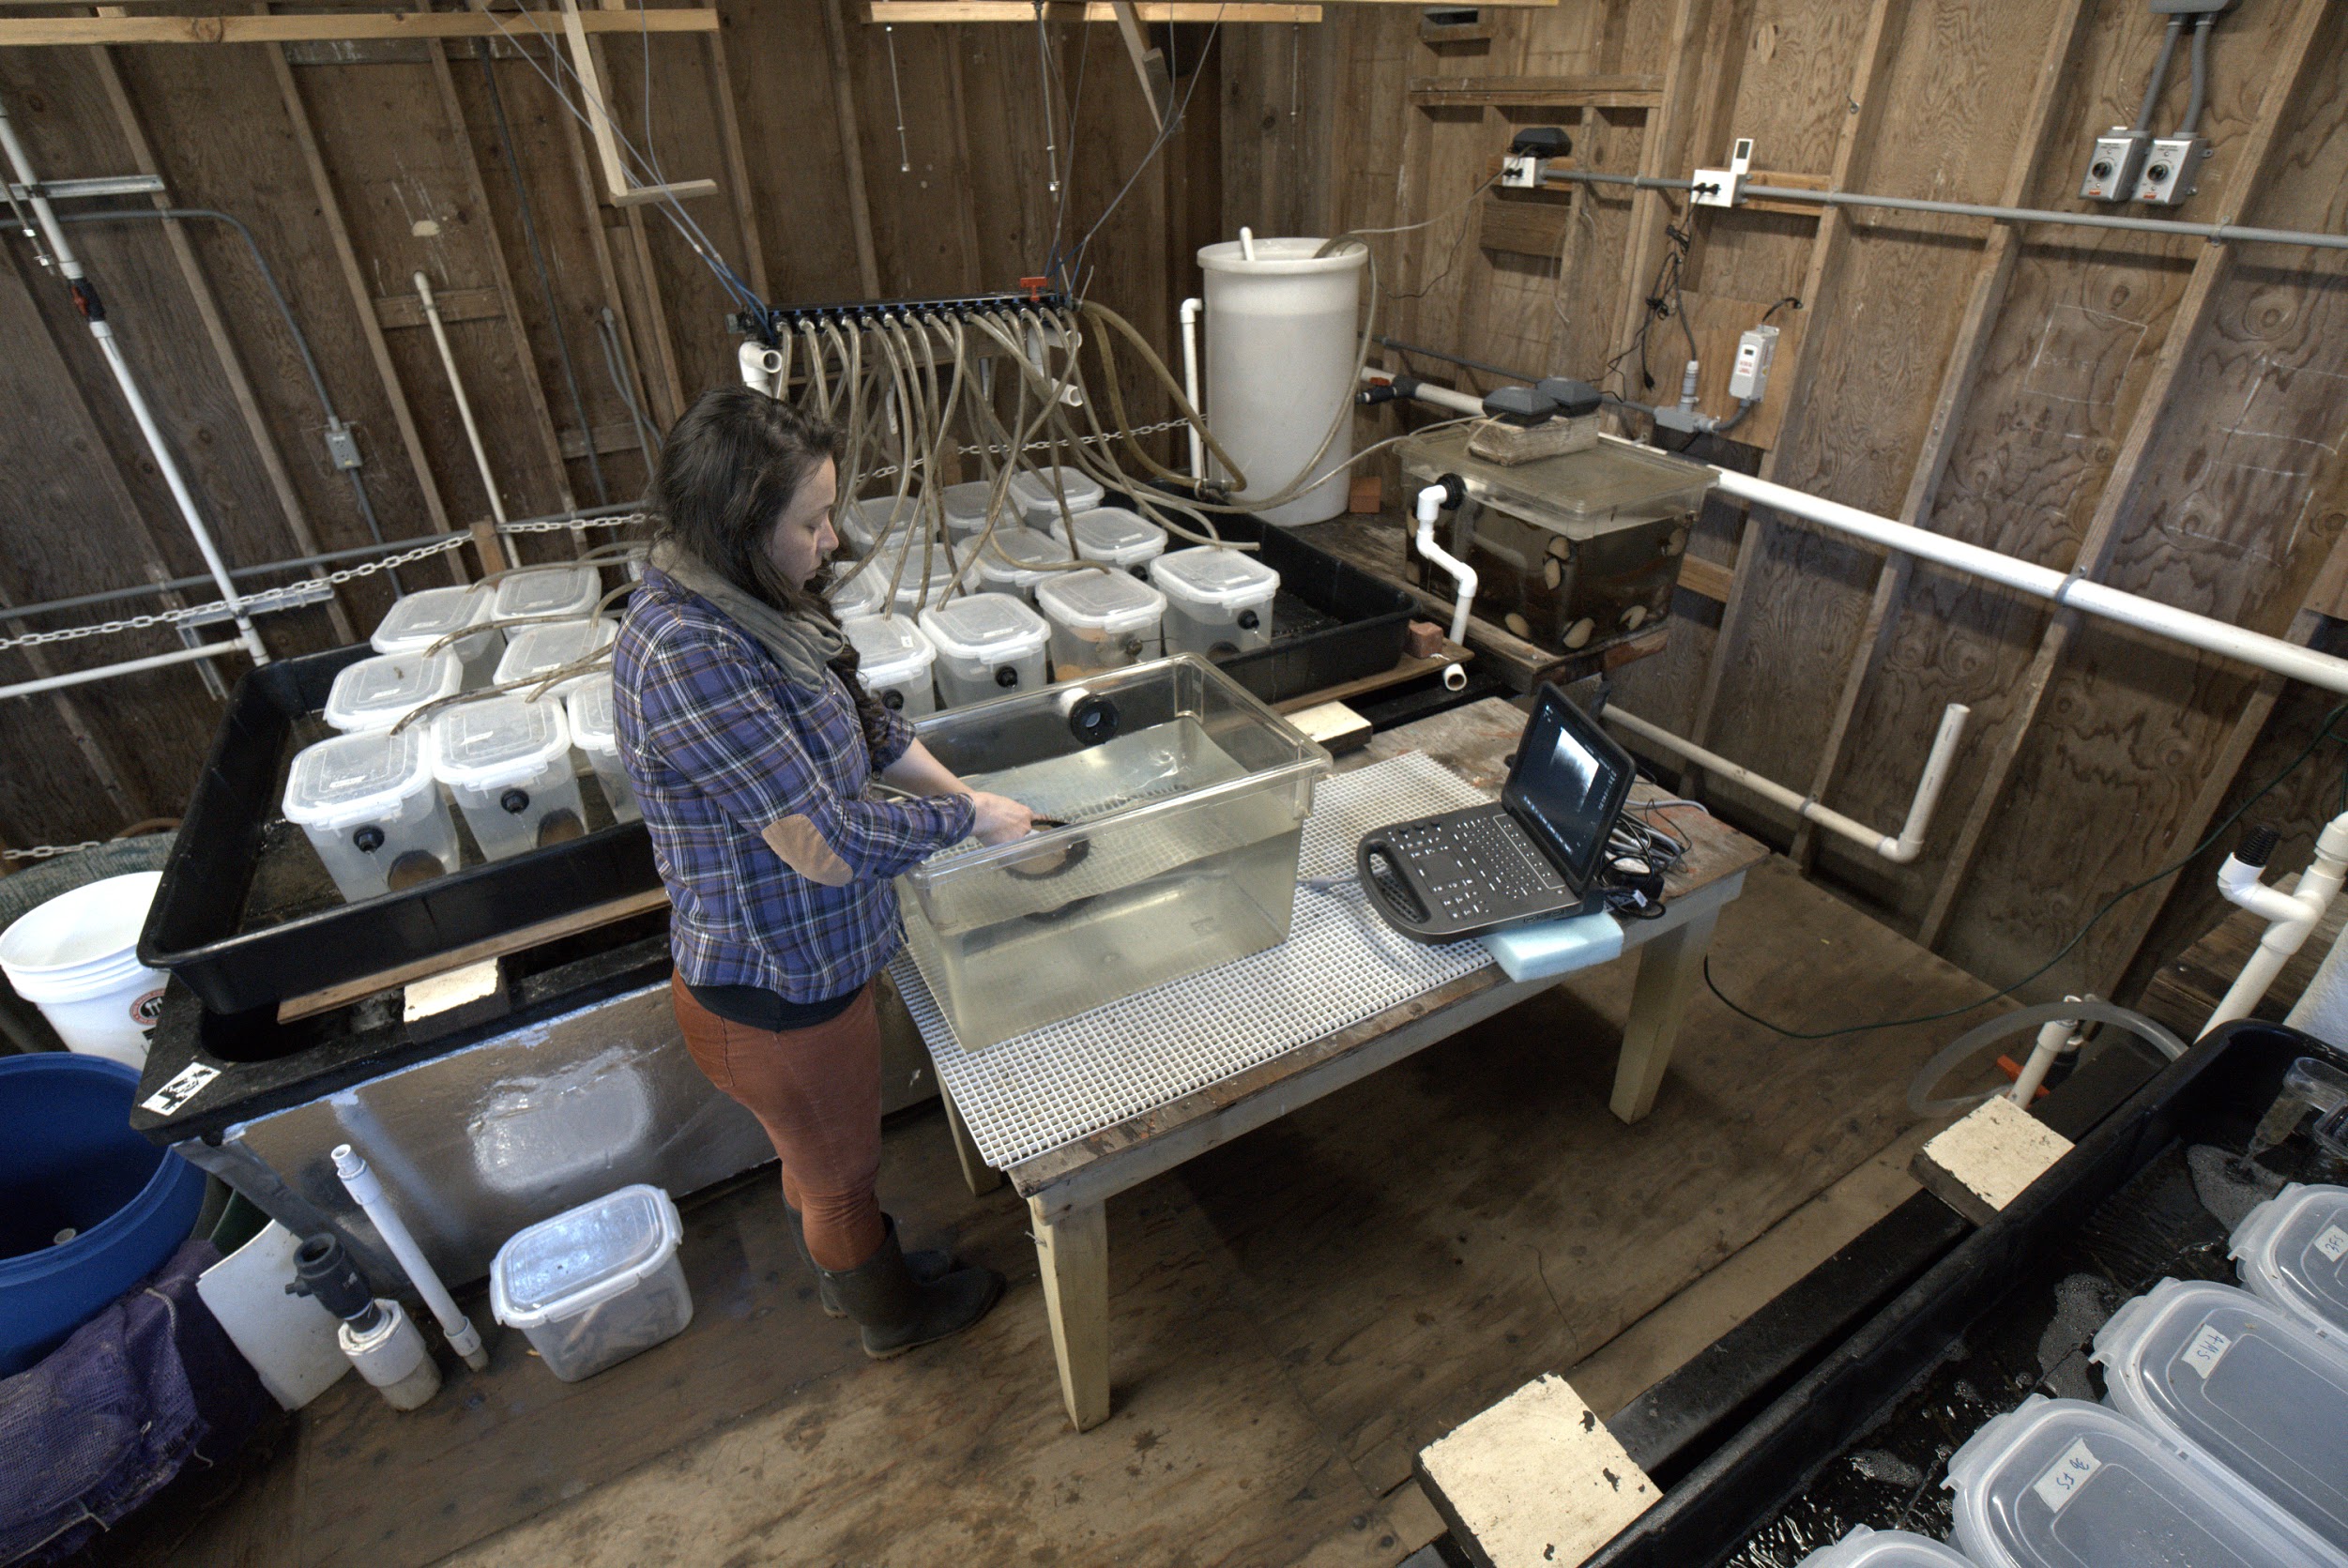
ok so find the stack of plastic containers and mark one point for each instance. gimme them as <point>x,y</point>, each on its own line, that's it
<point>2251,1384</point>
<point>965,507</point>
<point>989,644</point>
<point>415,622</point>
<point>507,763</point>
<point>595,1285</point>
<point>589,710</point>
<point>532,652</point>
<point>379,692</point>
<point>2293,1250</point>
<point>1038,500</point>
<point>894,660</point>
<point>1884,1549</point>
<point>367,804</point>
<point>2063,1483</point>
<point>860,523</point>
<point>1015,560</point>
<point>1217,601</point>
<point>569,592</point>
<point>1100,620</point>
<point>1116,537</point>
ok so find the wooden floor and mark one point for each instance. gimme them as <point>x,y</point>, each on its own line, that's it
<point>1294,1314</point>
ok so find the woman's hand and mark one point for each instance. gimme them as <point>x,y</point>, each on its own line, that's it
<point>1001,819</point>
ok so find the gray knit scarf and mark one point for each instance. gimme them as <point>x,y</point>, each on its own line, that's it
<point>805,644</point>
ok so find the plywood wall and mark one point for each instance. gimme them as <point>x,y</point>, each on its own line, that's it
<point>2161,414</point>
<point>356,165</point>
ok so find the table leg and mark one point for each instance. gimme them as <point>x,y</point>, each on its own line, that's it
<point>1668,970</point>
<point>1073,1255</point>
<point>977,1175</point>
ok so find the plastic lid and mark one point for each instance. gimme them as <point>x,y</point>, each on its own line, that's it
<point>498,742</point>
<point>1024,547</point>
<point>534,650</point>
<point>2263,1389</point>
<point>889,649</point>
<point>993,628</point>
<point>1885,1549</point>
<point>589,710</point>
<point>379,692</point>
<point>1576,492</point>
<point>583,1256</point>
<point>2293,1249</point>
<point>548,590</point>
<point>2060,1481</point>
<point>1114,535</point>
<point>1105,602</point>
<point>1225,579</point>
<point>414,623</point>
<point>966,505</point>
<point>350,779</point>
<point>1032,492</point>
<point>861,522</point>
<point>945,565</point>
<point>865,594</point>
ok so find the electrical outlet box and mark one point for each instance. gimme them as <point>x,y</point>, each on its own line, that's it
<point>1750,375</point>
<point>2112,167</point>
<point>2172,170</point>
<point>1521,171</point>
<point>342,444</point>
<point>1725,186</point>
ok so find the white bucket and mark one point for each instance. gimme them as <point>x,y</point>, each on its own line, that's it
<point>1282,335</point>
<point>77,958</point>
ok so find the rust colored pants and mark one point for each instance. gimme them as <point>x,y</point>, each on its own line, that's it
<point>818,1093</point>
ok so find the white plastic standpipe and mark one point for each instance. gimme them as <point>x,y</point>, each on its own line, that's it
<point>1248,242</point>
<point>1430,506</point>
<point>2291,915</point>
<point>367,1192</point>
<point>2055,1038</point>
<point>1191,307</point>
<point>456,388</point>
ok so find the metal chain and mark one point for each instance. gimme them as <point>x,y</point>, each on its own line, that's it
<point>44,851</point>
<point>565,524</point>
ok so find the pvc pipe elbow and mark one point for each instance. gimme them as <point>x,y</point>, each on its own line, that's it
<point>2238,884</point>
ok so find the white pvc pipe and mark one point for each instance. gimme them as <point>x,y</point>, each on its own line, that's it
<point>367,1192</point>
<point>2292,916</point>
<point>69,267</point>
<point>128,666</point>
<point>761,368</point>
<point>1191,307</point>
<point>1899,850</point>
<point>456,385</point>
<point>2055,1037</point>
<point>1430,506</point>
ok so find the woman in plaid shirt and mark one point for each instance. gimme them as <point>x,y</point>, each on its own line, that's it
<point>751,742</point>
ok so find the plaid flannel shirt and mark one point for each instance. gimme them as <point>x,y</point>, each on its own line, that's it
<point>730,759</point>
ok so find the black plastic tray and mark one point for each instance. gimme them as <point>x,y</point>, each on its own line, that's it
<point>199,930</point>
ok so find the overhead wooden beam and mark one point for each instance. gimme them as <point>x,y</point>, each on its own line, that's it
<point>901,12</point>
<point>736,164</point>
<point>20,32</point>
<point>1157,85</point>
<point>2211,270</point>
<point>1536,92</point>
<point>620,185</point>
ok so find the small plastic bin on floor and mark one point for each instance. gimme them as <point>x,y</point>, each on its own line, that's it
<point>1038,499</point>
<point>532,652</point>
<point>597,1283</point>
<point>379,692</point>
<point>1885,1549</point>
<point>894,660</point>
<point>589,710</point>
<point>415,622</point>
<point>2063,1483</point>
<point>507,763</point>
<point>569,592</point>
<point>367,804</point>
<point>2251,1384</point>
<point>1217,601</point>
<point>1100,620</point>
<point>2293,1250</point>
<point>989,644</point>
<point>1116,537</point>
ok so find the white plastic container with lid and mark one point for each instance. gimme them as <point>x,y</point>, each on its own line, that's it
<point>597,1283</point>
<point>76,957</point>
<point>859,523</point>
<point>1038,501</point>
<point>2063,1483</point>
<point>1011,562</point>
<point>367,804</point>
<point>965,507</point>
<point>414,623</point>
<point>1884,1549</point>
<point>506,762</point>
<point>865,594</point>
<point>894,660</point>
<point>532,651</point>
<point>989,644</point>
<point>1117,536</point>
<point>379,692</point>
<point>2252,1384</point>
<point>1100,620</point>
<point>1217,601</point>
<point>568,591</point>
<point>589,709</point>
<point>946,564</point>
<point>2293,1250</point>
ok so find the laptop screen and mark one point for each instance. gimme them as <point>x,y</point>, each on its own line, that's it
<point>1568,784</point>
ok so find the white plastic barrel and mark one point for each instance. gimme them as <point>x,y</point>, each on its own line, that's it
<point>1282,334</point>
<point>76,957</point>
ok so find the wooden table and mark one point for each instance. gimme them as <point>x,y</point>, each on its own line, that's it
<point>1068,1188</point>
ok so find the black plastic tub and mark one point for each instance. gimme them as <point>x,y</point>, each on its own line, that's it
<point>246,918</point>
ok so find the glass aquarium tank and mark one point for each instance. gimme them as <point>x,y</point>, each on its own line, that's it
<point>1179,802</point>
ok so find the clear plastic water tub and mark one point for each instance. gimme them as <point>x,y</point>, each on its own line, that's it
<point>507,763</point>
<point>1885,1549</point>
<point>597,1283</point>
<point>987,644</point>
<point>1185,802</point>
<point>533,652</point>
<point>1101,621</point>
<point>2293,1250</point>
<point>1115,537</point>
<point>367,804</point>
<point>379,692</point>
<point>1015,560</point>
<point>568,592</point>
<point>1217,601</point>
<point>1038,499</point>
<point>589,710</point>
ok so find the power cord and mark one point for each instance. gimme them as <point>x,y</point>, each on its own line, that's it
<point>2322,734</point>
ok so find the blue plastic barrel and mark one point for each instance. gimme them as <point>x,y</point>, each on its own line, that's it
<point>71,1167</point>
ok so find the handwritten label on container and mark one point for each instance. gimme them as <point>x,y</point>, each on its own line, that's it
<point>2333,1243</point>
<point>2208,1349</point>
<point>2065,1476</point>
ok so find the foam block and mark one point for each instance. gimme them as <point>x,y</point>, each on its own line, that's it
<point>1555,947</point>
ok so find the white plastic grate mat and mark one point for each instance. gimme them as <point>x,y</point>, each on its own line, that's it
<point>1340,965</point>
